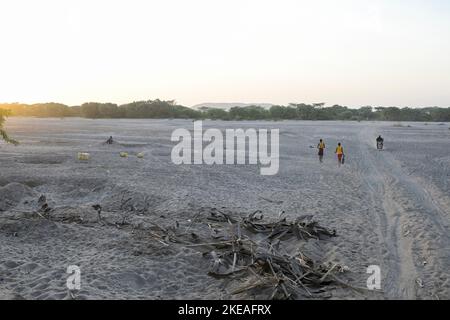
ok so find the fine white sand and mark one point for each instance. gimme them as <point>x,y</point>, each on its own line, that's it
<point>390,208</point>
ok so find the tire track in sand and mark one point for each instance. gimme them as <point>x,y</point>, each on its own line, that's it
<point>397,263</point>
<point>412,227</point>
<point>397,266</point>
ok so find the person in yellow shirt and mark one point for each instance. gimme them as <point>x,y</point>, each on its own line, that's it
<point>321,147</point>
<point>340,153</point>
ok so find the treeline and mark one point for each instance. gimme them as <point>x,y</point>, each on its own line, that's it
<point>320,112</point>
<point>94,110</point>
<point>169,109</point>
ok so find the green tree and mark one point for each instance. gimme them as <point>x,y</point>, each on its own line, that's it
<point>215,114</point>
<point>3,133</point>
<point>249,113</point>
<point>90,110</point>
<point>366,113</point>
<point>305,111</point>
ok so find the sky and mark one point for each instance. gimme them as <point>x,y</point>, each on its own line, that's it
<point>348,52</point>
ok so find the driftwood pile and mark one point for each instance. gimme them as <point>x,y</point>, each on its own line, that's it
<point>251,255</point>
<point>256,258</point>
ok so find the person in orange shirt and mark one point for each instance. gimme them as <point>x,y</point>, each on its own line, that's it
<point>321,147</point>
<point>340,153</point>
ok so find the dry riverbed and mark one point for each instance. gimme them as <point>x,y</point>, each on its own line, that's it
<point>389,208</point>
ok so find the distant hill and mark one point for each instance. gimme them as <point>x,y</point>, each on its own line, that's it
<point>228,106</point>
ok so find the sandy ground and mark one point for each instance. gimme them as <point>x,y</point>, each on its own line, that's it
<point>390,208</point>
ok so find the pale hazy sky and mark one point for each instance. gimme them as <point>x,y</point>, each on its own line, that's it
<point>350,52</point>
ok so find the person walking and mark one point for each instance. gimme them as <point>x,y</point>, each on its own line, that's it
<point>321,147</point>
<point>340,153</point>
